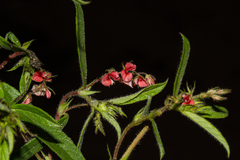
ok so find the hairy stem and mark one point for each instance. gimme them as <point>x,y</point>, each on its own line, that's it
<point>150,116</point>
<point>135,141</point>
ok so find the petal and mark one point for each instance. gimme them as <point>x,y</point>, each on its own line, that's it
<point>37,78</point>
<point>142,83</point>
<point>186,97</point>
<point>130,67</point>
<point>128,83</point>
<point>191,102</point>
<point>106,81</point>
<point>126,76</point>
<point>48,94</point>
<point>114,75</point>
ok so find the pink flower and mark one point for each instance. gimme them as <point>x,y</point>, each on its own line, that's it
<point>126,76</point>
<point>140,82</point>
<point>107,79</point>
<point>150,79</point>
<point>39,76</point>
<point>187,100</point>
<point>48,93</point>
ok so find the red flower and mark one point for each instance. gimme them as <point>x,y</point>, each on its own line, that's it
<point>187,100</point>
<point>150,79</point>
<point>39,76</point>
<point>140,82</point>
<point>107,79</point>
<point>126,76</point>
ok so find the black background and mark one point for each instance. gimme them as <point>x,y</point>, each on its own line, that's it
<point>146,32</point>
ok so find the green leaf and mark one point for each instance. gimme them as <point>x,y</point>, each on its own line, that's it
<point>20,63</point>
<point>27,150</point>
<point>209,128</point>
<point>80,35</point>
<point>5,44</point>
<point>141,95</point>
<point>48,131</point>
<point>113,122</point>
<point>4,153</point>
<point>158,138</point>
<point>83,93</point>
<point>13,38</point>
<point>8,93</point>
<point>84,128</point>
<point>35,115</point>
<point>27,44</point>
<point>63,121</point>
<point>10,137</point>
<point>4,110</point>
<point>33,146</point>
<point>25,81</point>
<point>212,112</point>
<point>82,2</point>
<point>109,153</point>
<point>144,111</point>
<point>182,65</point>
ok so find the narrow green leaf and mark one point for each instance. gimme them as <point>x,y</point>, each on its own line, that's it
<point>80,35</point>
<point>20,63</point>
<point>109,153</point>
<point>82,2</point>
<point>144,111</point>
<point>48,131</point>
<point>141,95</point>
<point>84,128</point>
<point>4,153</point>
<point>182,65</point>
<point>27,44</point>
<point>87,93</point>
<point>158,138</point>
<point>113,122</point>
<point>13,38</point>
<point>209,128</point>
<point>213,111</point>
<point>5,44</point>
<point>9,92</point>
<point>27,150</point>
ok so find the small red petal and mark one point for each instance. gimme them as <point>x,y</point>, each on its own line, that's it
<point>106,81</point>
<point>191,102</point>
<point>126,76</point>
<point>48,94</point>
<point>114,75</point>
<point>130,67</point>
<point>37,78</point>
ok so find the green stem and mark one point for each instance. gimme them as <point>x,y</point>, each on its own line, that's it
<point>80,141</point>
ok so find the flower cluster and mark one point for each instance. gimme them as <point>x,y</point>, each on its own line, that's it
<point>127,77</point>
<point>42,89</point>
